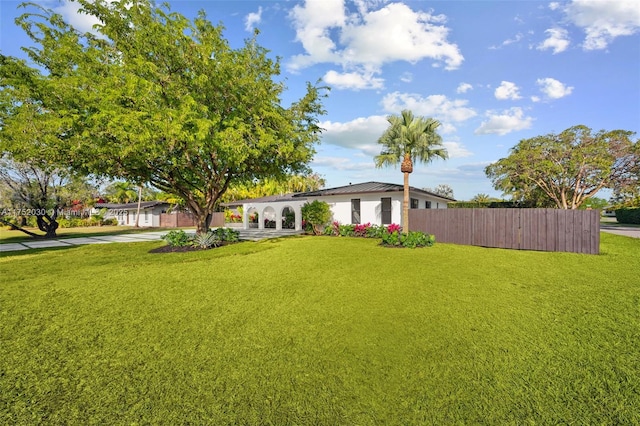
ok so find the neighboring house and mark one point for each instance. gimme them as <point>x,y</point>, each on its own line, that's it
<point>150,212</point>
<point>370,202</point>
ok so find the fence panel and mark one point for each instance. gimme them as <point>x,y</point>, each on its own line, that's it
<point>525,229</point>
<point>177,220</point>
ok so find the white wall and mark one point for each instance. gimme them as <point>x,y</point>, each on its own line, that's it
<point>371,206</point>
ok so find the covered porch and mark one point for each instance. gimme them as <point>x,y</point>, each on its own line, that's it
<point>278,212</point>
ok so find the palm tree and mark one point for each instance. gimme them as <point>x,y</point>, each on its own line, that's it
<point>121,192</point>
<point>409,139</point>
<point>481,198</point>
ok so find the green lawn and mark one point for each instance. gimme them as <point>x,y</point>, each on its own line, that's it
<point>329,331</point>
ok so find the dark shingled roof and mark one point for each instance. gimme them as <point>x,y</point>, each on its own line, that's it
<point>366,187</point>
<point>128,206</point>
<point>267,199</point>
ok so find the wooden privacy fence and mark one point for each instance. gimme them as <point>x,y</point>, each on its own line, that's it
<point>575,231</point>
<point>186,219</point>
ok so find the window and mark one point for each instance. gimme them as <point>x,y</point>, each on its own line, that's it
<point>414,203</point>
<point>427,204</point>
<point>355,211</point>
<point>386,211</point>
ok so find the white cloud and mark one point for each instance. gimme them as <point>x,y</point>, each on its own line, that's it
<point>509,41</point>
<point>397,33</point>
<point>553,89</point>
<point>464,88</point>
<point>507,90</point>
<point>457,150</point>
<point>558,40</point>
<point>535,99</point>
<point>368,39</point>
<point>252,19</point>
<point>353,80</point>
<point>436,106</point>
<point>313,21</point>
<point>554,5</point>
<point>80,21</point>
<point>603,21</point>
<point>342,163</point>
<point>508,121</point>
<point>361,133</point>
<point>406,77</point>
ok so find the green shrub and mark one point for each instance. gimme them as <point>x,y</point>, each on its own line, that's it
<point>376,231</point>
<point>72,222</point>
<point>411,240</point>
<point>177,238</point>
<point>628,215</point>
<point>332,230</point>
<point>226,234</point>
<point>347,230</point>
<point>318,214</point>
<point>391,238</point>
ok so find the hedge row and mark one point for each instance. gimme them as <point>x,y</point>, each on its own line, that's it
<point>630,215</point>
<point>489,205</point>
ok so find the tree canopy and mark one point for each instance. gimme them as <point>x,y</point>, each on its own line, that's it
<point>442,189</point>
<point>409,139</point>
<point>568,168</point>
<point>32,188</point>
<point>153,97</point>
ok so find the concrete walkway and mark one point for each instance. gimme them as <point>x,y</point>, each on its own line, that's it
<point>250,234</point>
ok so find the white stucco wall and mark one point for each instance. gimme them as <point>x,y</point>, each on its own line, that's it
<point>371,206</point>
<point>127,217</point>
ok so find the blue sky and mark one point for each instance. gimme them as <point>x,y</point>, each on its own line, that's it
<point>493,72</point>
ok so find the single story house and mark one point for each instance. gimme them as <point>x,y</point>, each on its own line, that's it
<point>370,202</point>
<point>150,212</point>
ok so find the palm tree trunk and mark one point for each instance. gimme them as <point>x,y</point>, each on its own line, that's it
<point>405,205</point>
<point>406,167</point>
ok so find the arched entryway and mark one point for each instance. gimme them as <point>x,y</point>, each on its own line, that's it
<point>268,220</point>
<point>276,214</point>
<point>288,218</point>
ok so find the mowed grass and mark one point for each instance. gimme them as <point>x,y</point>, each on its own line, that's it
<point>319,330</point>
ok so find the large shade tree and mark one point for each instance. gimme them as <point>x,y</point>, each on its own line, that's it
<point>409,139</point>
<point>155,98</point>
<point>568,168</point>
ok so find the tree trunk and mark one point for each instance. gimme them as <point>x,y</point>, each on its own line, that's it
<point>48,226</point>
<point>406,167</point>
<point>138,211</point>
<point>202,223</point>
<point>405,205</point>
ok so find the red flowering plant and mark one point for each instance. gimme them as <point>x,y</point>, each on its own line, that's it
<point>394,227</point>
<point>362,230</point>
<point>231,216</point>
